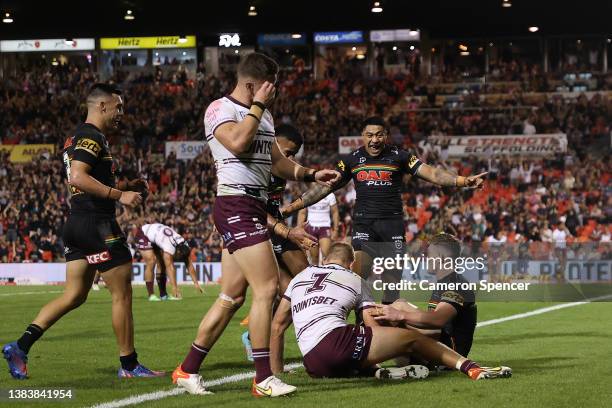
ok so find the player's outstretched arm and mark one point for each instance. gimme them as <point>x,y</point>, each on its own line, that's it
<point>286,168</point>
<point>445,178</point>
<point>312,196</point>
<point>435,319</point>
<point>280,323</point>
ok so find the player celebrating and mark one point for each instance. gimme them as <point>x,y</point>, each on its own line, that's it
<point>318,302</point>
<point>240,133</point>
<point>159,244</point>
<point>318,223</point>
<point>453,312</point>
<point>377,170</point>
<point>92,237</point>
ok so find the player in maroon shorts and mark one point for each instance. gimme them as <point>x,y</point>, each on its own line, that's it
<point>321,220</point>
<point>240,132</point>
<point>318,302</point>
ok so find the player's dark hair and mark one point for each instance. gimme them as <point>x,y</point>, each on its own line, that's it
<point>342,252</point>
<point>102,89</point>
<point>290,133</point>
<point>374,121</point>
<point>257,66</point>
<point>182,252</point>
<point>447,241</point>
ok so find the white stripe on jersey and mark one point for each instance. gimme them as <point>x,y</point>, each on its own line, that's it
<point>319,213</point>
<point>247,173</point>
<point>321,299</point>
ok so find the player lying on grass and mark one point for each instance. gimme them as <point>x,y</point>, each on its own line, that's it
<point>318,302</point>
<point>452,313</point>
<point>159,244</point>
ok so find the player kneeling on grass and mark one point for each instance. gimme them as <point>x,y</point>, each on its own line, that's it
<point>451,316</point>
<point>318,302</point>
<point>159,244</point>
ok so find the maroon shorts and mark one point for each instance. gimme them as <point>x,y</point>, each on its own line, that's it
<point>142,242</point>
<point>318,232</point>
<point>241,221</point>
<point>340,353</point>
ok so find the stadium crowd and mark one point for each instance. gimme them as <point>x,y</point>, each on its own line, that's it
<point>524,200</point>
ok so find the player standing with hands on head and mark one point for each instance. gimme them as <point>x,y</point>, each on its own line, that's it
<point>377,169</point>
<point>92,237</point>
<point>240,132</point>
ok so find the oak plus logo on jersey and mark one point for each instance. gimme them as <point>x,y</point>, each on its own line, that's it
<point>98,258</point>
<point>375,177</point>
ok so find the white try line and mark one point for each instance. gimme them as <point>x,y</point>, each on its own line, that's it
<point>31,293</point>
<point>154,396</point>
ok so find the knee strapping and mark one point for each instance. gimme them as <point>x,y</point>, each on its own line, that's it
<point>227,302</point>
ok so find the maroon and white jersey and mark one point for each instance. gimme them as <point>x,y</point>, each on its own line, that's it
<point>247,173</point>
<point>321,298</point>
<point>319,213</point>
<point>163,237</point>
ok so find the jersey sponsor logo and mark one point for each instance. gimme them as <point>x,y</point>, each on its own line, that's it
<point>317,285</point>
<point>261,147</point>
<point>364,236</point>
<point>412,161</point>
<point>341,165</point>
<point>98,258</point>
<point>375,177</point>
<point>90,146</point>
<point>362,160</point>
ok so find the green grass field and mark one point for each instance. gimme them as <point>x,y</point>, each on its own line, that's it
<point>560,359</point>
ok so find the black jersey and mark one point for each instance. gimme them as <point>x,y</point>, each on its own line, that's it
<point>89,145</point>
<point>378,180</point>
<point>460,329</point>
<point>276,188</point>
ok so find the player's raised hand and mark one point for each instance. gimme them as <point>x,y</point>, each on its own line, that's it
<point>301,238</point>
<point>130,198</point>
<point>387,313</point>
<point>476,181</point>
<point>265,94</point>
<point>327,177</point>
<point>139,184</point>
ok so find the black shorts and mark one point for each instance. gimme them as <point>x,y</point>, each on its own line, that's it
<point>99,240</point>
<point>379,237</point>
<point>281,245</point>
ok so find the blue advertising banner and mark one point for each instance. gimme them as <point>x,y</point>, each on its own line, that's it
<point>338,37</point>
<point>282,39</point>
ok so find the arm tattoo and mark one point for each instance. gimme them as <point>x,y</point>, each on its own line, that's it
<point>437,176</point>
<point>315,194</point>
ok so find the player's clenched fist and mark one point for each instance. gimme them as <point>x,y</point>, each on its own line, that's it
<point>301,238</point>
<point>130,198</point>
<point>327,177</point>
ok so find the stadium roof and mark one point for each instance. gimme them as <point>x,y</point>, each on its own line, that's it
<point>442,18</point>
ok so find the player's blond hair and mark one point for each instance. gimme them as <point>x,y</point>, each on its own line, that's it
<point>339,251</point>
<point>447,241</point>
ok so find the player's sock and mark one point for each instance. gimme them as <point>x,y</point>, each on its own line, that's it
<point>466,365</point>
<point>150,289</point>
<point>130,361</point>
<point>29,337</point>
<point>161,284</point>
<point>194,359</point>
<point>261,356</point>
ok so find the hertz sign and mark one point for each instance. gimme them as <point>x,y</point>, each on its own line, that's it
<point>130,43</point>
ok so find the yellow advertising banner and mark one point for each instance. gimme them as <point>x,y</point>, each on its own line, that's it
<point>25,153</point>
<point>168,41</point>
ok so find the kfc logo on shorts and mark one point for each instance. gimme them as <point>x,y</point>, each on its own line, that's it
<point>98,258</point>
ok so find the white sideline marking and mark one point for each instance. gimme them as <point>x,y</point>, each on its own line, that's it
<point>31,293</point>
<point>154,396</point>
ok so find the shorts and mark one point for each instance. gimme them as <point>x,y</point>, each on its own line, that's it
<point>318,232</point>
<point>242,221</point>
<point>281,245</point>
<point>98,240</point>
<point>142,242</point>
<point>370,234</point>
<point>340,353</point>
